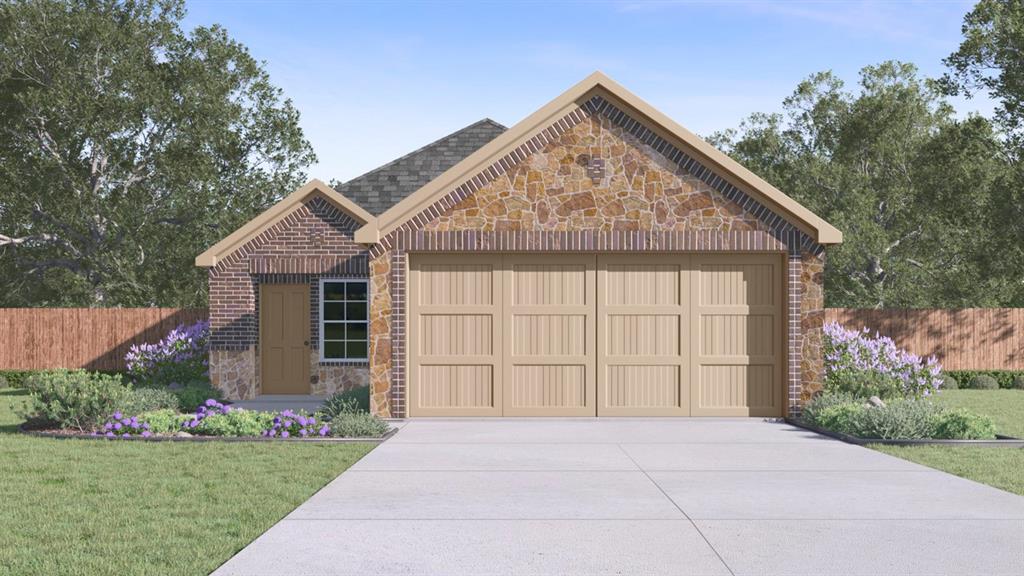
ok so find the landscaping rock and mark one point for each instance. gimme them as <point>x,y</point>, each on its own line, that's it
<point>182,434</point>
<point>876,402</point>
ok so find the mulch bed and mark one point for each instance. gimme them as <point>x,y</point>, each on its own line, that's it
<point>1000,440</point>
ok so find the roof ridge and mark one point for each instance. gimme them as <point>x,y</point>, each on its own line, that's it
<point>421,149</point>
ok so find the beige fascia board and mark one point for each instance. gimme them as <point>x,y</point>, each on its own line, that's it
<point>275,214</point>
<point>819,229</point>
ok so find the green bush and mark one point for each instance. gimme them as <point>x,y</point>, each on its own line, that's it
<point>949,382</point>
<point>843,418</point>
<point>74,399</point>
<point>899,420</point>
<point>865,384</point>
<point>165,421</point>
<point>141,400</point>
<point>360,395</point>
<point>1018,382</point>
<point>234,423</point>
<point>340,403</point>
<point>984,382</point>
<point>16,378</point>
<point>194,394</point>
<point>358,425</point>
<point>811,413</point>
<point>1005,378</point>
<point>963,425</point>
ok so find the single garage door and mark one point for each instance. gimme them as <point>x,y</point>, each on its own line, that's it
<point>584,335</point>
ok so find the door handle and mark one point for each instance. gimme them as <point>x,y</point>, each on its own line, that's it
<point>306,343</point>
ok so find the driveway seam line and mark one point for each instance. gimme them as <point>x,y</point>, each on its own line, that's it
<point>681,511</point>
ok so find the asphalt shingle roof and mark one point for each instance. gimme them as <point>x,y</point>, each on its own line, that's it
<point>383,187</point>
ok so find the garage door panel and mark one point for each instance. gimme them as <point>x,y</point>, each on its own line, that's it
<point>549,335</point>
<point>466,388</point>
<point>737,349</point>
<point>642,353</point>
<point>549,312</point>
<point>455,338</point>
<point>642,335</point>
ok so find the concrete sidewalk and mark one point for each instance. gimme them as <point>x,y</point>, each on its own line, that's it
<point>639,496</point>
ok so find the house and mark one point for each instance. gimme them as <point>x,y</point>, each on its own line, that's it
<point>594,259</point>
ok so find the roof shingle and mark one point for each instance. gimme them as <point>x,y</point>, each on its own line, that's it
<point>383,187</point>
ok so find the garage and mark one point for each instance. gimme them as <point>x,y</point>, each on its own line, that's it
<point>595,334</point>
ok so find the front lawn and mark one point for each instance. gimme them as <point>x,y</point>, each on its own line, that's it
<point>999,467</point>
<point>121,507</point>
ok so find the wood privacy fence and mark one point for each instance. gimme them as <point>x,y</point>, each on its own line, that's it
<point>965,339</point>
<point>90,338</point>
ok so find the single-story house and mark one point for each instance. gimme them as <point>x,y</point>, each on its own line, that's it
<point>596,259</point>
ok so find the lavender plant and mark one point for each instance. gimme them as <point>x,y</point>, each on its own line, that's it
<point>862,365</point>
<point>179,358</point>
<point>289,424</point>
<point>210,408</point>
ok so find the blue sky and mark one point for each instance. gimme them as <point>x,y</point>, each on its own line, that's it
<point>376,80</point>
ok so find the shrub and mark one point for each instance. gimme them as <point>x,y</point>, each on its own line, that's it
<point>899,420</point>
<point>180,357</point>
<point>236,422</point>
<point>165,421</point>
<point>74,399</point>
<point>289,424</point>
<point>841,418</point>
<point>210,407</point>
<point>141,400</point>
<point>1018,382</point>
<point>358,425</point>
<point>811,413</point>
<point>963,425</point>
<point>949,382</point>
<point>194,394</point>
<point>341,403</point>
<point>864,366</point>
<point>984,382</point>
<point>121,426</point>
<point>1005,378</point>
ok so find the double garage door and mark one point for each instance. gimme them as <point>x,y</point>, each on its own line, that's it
<point>586,335</point>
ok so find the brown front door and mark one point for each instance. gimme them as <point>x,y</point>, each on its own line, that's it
<point>284,338</point>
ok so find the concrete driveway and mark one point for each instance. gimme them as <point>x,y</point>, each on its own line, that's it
<point>639,496</point>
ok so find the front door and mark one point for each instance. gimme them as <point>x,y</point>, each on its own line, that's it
<point>284,338</point>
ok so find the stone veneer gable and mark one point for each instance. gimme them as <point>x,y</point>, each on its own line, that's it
<point>546,196</point>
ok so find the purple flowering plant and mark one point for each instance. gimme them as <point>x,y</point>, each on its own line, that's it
<point>289,424</point>
<point>179,358</point>
<point>121,426</point>
<point>209,408</point>
<point>862,365</point>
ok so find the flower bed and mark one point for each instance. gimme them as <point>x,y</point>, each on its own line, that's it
<point>873,390</point>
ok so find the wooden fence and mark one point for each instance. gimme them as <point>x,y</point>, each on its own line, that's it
<point>98,338</point>
<point>966,339</point>
<point>90,338</point>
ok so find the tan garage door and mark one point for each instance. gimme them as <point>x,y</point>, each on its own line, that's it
<point>584,335</point>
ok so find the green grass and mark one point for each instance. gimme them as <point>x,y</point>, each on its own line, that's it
<point>1005,407</point>
<point>97,507</point>
<point>999,467</point>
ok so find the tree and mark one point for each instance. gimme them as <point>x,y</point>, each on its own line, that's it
<point>127,147</point>
<point>910,186</point>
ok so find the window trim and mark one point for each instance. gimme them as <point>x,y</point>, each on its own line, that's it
<point>321,321</point>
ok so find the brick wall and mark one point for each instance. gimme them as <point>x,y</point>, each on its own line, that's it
<point>313,242</point>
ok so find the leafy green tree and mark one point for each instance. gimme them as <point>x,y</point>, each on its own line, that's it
<point>910,186</point>
<point>128,146</point>
<point>991,59</point>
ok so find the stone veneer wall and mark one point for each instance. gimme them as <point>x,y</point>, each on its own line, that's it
<point>549,196</point>
<point>313,242</point>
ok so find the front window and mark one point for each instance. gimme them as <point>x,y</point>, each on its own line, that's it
<point>343,320</point>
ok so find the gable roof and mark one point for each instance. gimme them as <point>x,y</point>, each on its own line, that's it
<point>275,214</point>
<point>597,84</point>
<point>383,187</point>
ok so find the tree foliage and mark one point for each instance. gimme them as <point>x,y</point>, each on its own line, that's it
<point>916,192</point>
<point>129,146</point>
